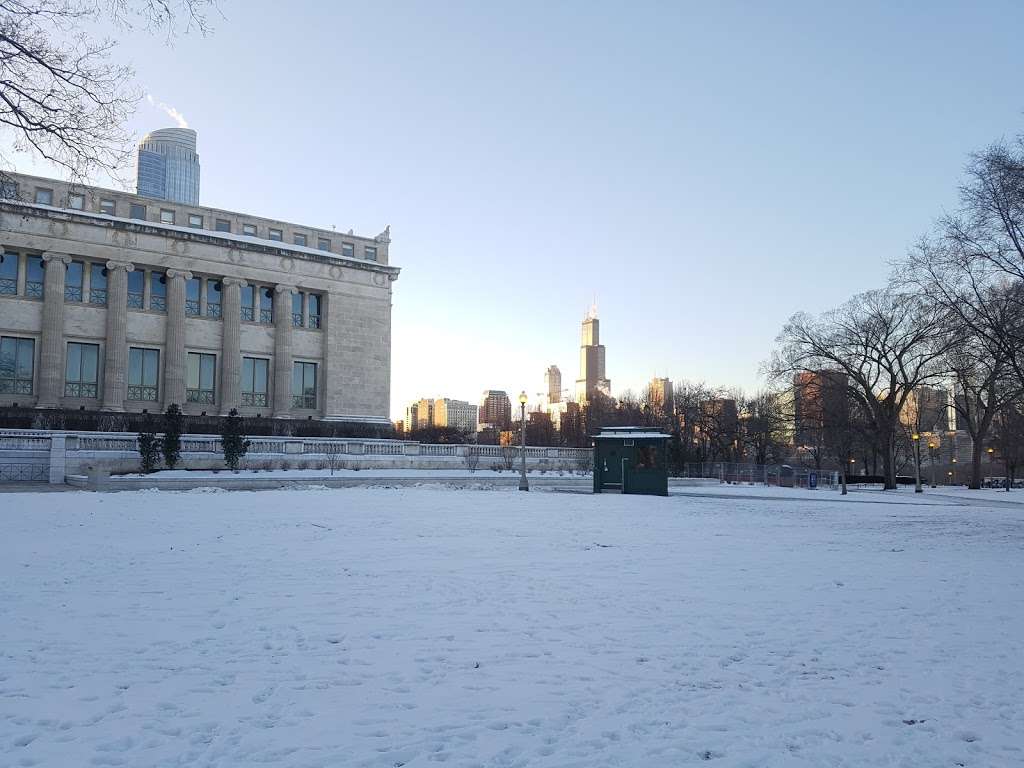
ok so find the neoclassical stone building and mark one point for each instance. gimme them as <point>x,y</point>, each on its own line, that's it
<point>115,302</point>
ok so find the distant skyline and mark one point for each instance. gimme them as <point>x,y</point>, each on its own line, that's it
<point>704,170</point>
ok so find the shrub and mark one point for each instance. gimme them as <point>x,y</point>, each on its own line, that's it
<point>233,440</point>
<point>171,444</point>
<point>149,446</point>
<point>472,458</point>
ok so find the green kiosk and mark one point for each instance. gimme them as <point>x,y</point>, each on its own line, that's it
<point>631,460</point>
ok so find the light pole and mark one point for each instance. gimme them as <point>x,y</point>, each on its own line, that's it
<point>524,484</point>
<point>917,463</point>
<point>933,452</point>
<point>952,473</point>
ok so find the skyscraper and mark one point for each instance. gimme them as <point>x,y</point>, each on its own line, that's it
<point>553,384</point>
<point>660,398</point>
<point>592,379</point>
<point>168,166</point>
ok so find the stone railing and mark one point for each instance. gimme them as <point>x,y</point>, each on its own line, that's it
<point>76,452</point>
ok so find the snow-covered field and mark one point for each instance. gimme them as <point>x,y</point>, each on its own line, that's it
<point>370,627</point>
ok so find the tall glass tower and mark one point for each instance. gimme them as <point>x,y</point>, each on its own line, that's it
<point>168,166</point>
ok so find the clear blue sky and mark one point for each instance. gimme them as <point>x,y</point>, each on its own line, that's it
<point>703,169</point>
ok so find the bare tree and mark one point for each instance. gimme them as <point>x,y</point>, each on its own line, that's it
<point>973,267</point>
<point>887,343</point>
<point>764,426</point>
<point>334,451</point>
<point>973,264</point>
<point>983,384</point>
<point>472,457</point>
<point>62,98</point>
<point>1008,438</point>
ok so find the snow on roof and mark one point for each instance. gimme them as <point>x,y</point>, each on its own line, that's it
<point>630,432</point>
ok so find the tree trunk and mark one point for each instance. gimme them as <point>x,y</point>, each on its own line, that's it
<point>889,457</point>
<point>976,454</point>
<point>842,476</point>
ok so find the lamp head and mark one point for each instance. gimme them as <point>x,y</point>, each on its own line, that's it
<point>915,436</point>
<point>522,397</point>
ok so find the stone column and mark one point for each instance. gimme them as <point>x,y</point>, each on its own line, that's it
<point>115,359</point>
<point>231,344</point>
<point>174,340</point>
<point>330,333</point>
<point>283,351</point>
<point>51,347</point>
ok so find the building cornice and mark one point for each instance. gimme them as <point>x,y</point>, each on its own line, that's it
<point>188,234</point>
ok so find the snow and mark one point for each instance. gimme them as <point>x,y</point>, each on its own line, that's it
<point>412,627</point>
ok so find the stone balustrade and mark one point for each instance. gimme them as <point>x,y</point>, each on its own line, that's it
<point>75,452</point>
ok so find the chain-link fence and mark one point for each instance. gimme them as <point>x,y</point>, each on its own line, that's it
<point>783,475</point>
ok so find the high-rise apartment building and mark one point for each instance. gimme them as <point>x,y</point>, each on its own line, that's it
<point>455,414</point>
<point>820,404</point>
<point>168,166</point>
<point>592,379</point>
<point>112,302</point>
<point>419,415</point>
<point>553,384</point>
<point>495,410</point>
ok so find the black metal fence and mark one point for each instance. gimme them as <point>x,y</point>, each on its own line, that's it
<point>782,475</point>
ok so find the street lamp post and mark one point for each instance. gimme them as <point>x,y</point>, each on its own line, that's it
<point>524,484</point>
<point>952,473</point>
<point>917,462</point>
<point>933,452</point>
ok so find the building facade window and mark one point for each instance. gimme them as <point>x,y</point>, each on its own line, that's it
<point>108,207</point>
<point>222,225</point>
<point>17,365</point>
<point>299,238</point>
<point>166,216</point>
<point>370,252</point>
<point>199,385</point>
<point>9,273</point>
<point>267,306</point>
<point>323,244</point>
<point>193,289</point>
<point>143,373</point>
<point>254,381</point>
<point>82,370</point>
<point>158,291</point>
<point>297,320</point>
<point>304,385</point>
<point>249,229</point>
<point>213,294</point>
<point>313,302</point>
<point>249,302</point>
<point>74,280</point>
<point>347,249</point>
<point>137,211</point>
<point>34,277</point>
<point>136,289</point>
<point>97,284</point>
<point>195,221</point>
<point>76,202</point>
<point>8,189</point>
<point>44,196</point>
<point>275,234</point>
